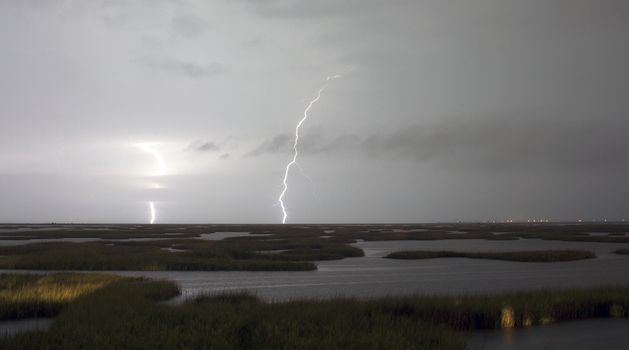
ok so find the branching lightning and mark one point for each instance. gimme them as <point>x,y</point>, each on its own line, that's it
<point>296,144</point>
<point>309,179</point>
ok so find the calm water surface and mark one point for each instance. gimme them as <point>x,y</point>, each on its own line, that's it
<point>607,334</point>
<point>374,276</point>
<point>30,324</point>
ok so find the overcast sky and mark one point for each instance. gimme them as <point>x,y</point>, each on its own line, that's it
<point>447,110</point>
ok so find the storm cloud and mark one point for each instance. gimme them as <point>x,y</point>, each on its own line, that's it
<point>500,143</point>
<point>189,69</point>
<point>204,146</point>
<point>454,110</point>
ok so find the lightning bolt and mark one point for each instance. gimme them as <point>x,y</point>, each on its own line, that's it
<point>296,144</point>
<point>153,212</point>
<point>160,171</point>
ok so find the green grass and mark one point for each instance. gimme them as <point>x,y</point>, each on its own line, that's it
<point>27,295</point>
<point>523,256</point>
<point>128,314</point>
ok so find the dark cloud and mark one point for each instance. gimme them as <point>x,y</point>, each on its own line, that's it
<point>204,146</point>
<point>277,144</point>
<point>312,141</point>
<point>255,42</point>
<point>189,69</point>
<point>289,9</point>
<point>509,144</point>
<point>189,25</point>
<point>490,143</point>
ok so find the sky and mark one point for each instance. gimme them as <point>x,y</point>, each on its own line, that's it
<point>457,110</point>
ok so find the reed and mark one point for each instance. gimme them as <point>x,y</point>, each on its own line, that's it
<point>128,314</point>
<point>27,295</point>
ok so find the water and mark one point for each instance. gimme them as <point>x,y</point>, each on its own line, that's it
<point>608,334</point>
<point>372,276</point>
<point>8,328</point>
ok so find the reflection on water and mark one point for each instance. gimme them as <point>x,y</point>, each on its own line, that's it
<point>609,334</point>
<point>30,324</point>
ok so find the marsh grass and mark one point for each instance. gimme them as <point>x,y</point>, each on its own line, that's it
<point>118,231</point>
<point>138,256</point>
<point>27,295</point>
<point>190,254</point>
<point>612,232</point>
<point>128,315</point>
<point>521,256</point>
<point>269,247</point>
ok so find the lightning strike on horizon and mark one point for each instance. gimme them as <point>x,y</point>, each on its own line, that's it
<point>161,171</point>
<point>153,212</point>
<point>296,144</point>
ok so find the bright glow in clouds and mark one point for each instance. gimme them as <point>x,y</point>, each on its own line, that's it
<point>296,143</point>
<point>159,160</point>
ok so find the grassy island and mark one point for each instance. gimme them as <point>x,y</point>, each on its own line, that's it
<point>522,256</point>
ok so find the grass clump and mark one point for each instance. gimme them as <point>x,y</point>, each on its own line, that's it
<point>523,256</point>
<point>507,310</point>
<point>28,295</point>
